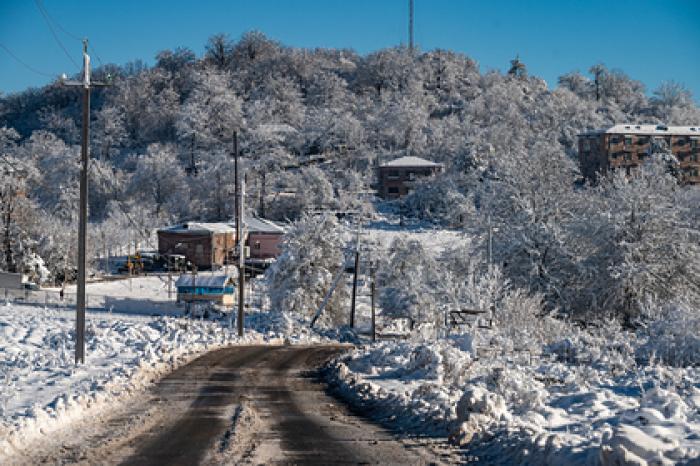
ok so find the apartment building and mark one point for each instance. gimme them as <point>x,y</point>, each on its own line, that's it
<point>625,146</point>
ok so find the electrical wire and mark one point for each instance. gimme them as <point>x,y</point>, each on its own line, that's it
<point>45,11</point>
<point>53,32</point>
<point>66,32</point>
<point>21,62</point>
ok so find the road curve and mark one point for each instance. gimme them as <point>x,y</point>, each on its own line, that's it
<point>235,406</point>
<point>261,405</point>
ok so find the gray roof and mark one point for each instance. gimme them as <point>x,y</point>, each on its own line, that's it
<point>646,130</point>
<point>212,281</point>
<point>410,161</point>
<point>261,225</point>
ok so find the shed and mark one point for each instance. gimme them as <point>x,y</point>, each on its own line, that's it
<point>217,288</point>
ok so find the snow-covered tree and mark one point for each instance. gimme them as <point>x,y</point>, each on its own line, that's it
<point>312,256</point>
<point>160,180</point>
<point>408,283</point>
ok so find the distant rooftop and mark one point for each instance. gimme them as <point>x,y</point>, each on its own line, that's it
<point>200,227</point>
<point>261,225</point>
<point>649,130</point>
<point>410,161</point>
<point>253,224</point>
<point>210,281</point>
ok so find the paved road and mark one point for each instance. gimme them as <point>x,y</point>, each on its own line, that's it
<point>243,405</point>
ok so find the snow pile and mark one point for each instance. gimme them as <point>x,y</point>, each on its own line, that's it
<point>41,389</point>
<point>587,398</point>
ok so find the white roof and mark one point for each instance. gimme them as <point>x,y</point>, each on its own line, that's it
<point>649,130</point>
<point>212,281</point>
<point>253,224</point>
<point>207,227</point>
<point>276,128</point>
<point>410,161</point>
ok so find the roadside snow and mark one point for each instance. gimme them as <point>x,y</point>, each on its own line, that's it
<point>585,401</point>
<point>42,390</point>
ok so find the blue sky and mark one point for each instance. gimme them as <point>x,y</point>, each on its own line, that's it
<point>652,41</point>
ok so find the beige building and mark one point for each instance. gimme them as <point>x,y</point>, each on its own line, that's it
<point>625,146</point>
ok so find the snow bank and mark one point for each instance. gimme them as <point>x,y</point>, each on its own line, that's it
<point>586,399</point>
<point>41,390</point>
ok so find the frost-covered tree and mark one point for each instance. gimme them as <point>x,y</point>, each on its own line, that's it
<point>408,283</point>
<point>648,241</point>
<point>16,208</point>
<point>312,256</point>
<point>160,180</point>
<point>439,200</point>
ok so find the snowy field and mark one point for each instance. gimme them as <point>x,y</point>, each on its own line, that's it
<point>586,399</point>
<point>41,390</point>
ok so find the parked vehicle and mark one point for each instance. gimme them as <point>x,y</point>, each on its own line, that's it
<point>149,261</point>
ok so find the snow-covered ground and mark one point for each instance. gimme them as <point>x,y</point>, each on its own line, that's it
<point>41,389</point>
<point>536,390</point>
<point>584,400</point>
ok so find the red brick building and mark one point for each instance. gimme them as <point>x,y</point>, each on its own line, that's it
<point>211,245</point>
<point>395,177</point>
<point>206,245</point>
<point>626,146</point>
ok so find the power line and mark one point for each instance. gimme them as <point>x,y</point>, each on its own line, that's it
<point>21,62</point>
<point>53,32</point>
<point>65,31</point>
<point>46,12</point>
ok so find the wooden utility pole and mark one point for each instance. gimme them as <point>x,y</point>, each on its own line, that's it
<point>354,279</point>
<point>262,192</point>
<point>235,179</point>
<point>241,262</point>
<point>87,85</point>
<point>373,298</point>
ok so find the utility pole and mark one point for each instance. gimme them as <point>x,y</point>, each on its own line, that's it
<point>82,225</point>
<point>373,271</point>
<point>262,192</point>
<point>235,179</point>
<point>129,264</point>
<point>241,262</point>
<point>354,279</point>
<point>410,25</point>
<point>490,243</point>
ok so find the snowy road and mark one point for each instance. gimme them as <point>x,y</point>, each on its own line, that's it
<point>246,405</point>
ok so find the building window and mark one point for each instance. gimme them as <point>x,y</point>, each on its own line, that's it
<point>681,142</point>
<point>256,245</point>
<point>392,174</point>
<point>614,140</point>
<point>199,250</point>
<point>694,143</point>
<point>393,190</point>
<point>628,141</point>
<point>586,145</point>
<point>643,140</point>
